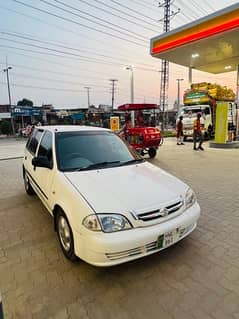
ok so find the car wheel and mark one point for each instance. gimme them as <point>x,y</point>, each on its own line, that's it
<point>65,236</point>
<point>28,188</point>
<point>152,152</point>
<point>184,138</point>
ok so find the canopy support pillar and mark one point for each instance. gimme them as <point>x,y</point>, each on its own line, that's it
<point>237,102</point>
<point>190,76</point>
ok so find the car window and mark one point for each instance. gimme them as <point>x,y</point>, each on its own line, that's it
<point>34,140</point>
<point>75,150</point>
<point>45,147</point>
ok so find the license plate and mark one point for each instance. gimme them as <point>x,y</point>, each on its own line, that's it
<point>167,239</point>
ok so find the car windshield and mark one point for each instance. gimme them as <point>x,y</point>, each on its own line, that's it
<point>76,151</point>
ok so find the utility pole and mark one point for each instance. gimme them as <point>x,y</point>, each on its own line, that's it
<point>88,94</point>
<point>131,69</point>
<point>165,64</point>
<point>9,97</point>
<point>113,92</point>
<point>178,101</point>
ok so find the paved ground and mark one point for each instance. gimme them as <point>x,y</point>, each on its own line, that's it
<point>11,147</point>
<point>197,278</point>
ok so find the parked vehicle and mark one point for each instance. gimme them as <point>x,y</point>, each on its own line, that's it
<point>26,131</point>
<point>204,98</point>
<point>143,138</point>
<point>108,204</point>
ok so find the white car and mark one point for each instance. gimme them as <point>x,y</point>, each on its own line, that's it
<point>109,205</point>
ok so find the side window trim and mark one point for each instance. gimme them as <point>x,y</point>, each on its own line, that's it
<point>40,141</point>
<point>33,135</point>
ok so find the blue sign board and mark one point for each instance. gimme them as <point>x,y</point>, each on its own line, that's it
<point>78,116</point>
<point>26,111</point>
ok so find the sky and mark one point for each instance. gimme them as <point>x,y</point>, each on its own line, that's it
<point>58,48</point>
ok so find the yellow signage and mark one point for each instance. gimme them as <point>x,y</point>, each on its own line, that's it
<point>221,122</point>
<point>114,123</point>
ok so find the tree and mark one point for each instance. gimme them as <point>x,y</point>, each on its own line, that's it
<point>25,102</point>
<point>5,127</point>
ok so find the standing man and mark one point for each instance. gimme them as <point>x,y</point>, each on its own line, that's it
<point>179,129</point>
<point>197,133</point>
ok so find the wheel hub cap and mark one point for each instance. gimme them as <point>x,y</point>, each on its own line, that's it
<point>64,233</point>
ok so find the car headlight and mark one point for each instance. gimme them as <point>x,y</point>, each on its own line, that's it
<point>91,222</point>
<point>190,198</point>
<point>113,222</point>
<point>108,223</point>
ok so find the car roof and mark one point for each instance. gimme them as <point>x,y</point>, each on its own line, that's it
<point>71,128</point>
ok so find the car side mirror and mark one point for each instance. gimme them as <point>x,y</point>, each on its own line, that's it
<point>41,161</point>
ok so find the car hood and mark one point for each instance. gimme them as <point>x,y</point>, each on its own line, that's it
<point>122,189</point>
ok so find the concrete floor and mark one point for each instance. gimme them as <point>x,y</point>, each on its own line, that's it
<point>198,278</point>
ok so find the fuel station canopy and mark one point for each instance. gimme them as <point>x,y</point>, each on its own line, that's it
<point>210,44</point>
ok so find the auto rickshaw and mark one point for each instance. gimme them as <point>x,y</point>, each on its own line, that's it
<point>143,138</point>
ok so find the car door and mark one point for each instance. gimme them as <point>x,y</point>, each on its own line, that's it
<point>30,152</point>
<point>44,176</point>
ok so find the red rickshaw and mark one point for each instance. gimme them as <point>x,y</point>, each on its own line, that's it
<point>143,138</point>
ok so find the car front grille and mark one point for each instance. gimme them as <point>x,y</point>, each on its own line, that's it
<point>188,126</point>
<point>162,212</point>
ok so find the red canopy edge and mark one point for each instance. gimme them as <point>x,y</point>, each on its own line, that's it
<point>131,107</point>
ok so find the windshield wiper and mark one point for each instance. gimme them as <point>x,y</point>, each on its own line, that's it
<point>133,161</point>
<point>97,165</point>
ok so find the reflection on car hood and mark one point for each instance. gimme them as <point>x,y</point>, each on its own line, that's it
<point>122,189</point>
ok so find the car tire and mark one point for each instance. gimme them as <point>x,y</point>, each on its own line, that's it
<point>185,138</point>
<point>28,188</point>
<point>152,152</point>
<point>65,235</point>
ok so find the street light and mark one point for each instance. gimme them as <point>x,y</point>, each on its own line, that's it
<point>9,96</point>
<point>130,68</point>
<point>178,102</point>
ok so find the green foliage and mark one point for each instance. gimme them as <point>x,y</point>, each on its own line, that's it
<point>169,134</point>
<point>25,102</point>
<point>5,127</point>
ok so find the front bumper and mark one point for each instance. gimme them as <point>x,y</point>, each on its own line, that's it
<point>188,132</point>
<point>101,249</point>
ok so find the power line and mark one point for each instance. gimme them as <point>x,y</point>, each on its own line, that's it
<point>53,25</point>
<point>117,16</point>
<point>144,4</point>
<point>57,45</point>
<point>139,36</point>
<point>44,88</point>
<point>135,11</point>
<point>55,80</point>
<point>44,60</point>
<point>67,74</point>
<point>192,13</point>
<point>66,55</point>
<point>77,23</point>
<point>26,37</point>
<point>123,12</point>
<point>182,14</point>
<point>200,8</point>
<point>209,5</point>
<point>52,72</point>
<point>55,63</point>
<point>57,55</point>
